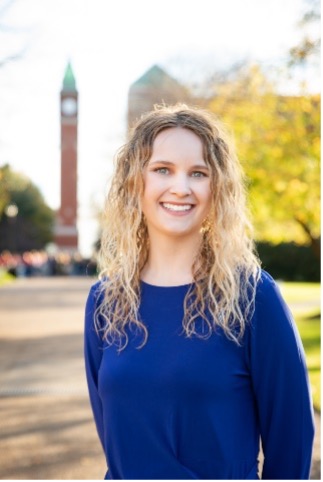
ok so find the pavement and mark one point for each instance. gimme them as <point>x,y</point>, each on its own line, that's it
<point>47,430</point>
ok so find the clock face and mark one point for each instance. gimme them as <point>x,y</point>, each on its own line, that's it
<point>69,106</point>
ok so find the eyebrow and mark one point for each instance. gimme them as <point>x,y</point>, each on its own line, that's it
<point>168,163</point>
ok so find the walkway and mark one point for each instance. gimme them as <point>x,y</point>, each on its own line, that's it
<point>47,430</point>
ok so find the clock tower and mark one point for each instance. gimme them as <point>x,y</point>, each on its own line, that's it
<point>66,234</point>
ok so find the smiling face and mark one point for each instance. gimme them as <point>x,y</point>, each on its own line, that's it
<point>177,190</point>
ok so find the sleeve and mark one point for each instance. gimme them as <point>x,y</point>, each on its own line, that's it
<point>281,386</point>
<point>92,356</point>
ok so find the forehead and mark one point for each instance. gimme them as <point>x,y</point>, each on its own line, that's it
<point>177,141</point>
<point>172,133</point>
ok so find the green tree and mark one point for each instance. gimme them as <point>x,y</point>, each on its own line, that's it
<point>278,142</point>
<point>4,189</point>
<point>30,224</point>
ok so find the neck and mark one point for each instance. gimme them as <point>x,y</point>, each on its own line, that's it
<point>170,261</point>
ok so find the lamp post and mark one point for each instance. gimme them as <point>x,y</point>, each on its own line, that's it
<point>11,212</point>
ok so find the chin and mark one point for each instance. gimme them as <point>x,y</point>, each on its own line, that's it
<point>179,233</point>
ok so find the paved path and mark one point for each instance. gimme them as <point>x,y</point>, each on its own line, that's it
<point>47,430</point>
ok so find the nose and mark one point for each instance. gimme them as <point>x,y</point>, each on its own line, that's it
<point>181,185</point>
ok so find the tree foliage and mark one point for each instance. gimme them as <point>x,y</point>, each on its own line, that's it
<point>5,29</point>
<point>32,228</point>
<point>278,142</point>
<point>308,48</point>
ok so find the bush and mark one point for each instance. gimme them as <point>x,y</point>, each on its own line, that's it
<point>289,261</point>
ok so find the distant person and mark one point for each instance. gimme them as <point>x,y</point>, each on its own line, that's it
<point>191,353</point>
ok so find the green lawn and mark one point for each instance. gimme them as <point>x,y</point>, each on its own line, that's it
<point>5,277</point>
<point>308,319</point>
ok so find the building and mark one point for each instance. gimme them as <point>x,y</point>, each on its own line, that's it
<point>154,87</point>
<point>66,234</point>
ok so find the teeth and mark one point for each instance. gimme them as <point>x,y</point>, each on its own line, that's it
<point>177,207</point>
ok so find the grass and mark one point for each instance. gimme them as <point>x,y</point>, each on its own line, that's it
<point>308,320</point>
<point>300,292</point>
<point>5,277</point>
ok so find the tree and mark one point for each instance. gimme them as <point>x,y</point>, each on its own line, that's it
<point>5,5</point>
<point>26,222</point>
<point>278,142</point>
<point>308,49</point>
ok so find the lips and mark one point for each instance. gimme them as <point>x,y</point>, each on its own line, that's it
<point>177,207</point>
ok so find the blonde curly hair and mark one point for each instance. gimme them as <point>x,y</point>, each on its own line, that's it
<point>226,270</point>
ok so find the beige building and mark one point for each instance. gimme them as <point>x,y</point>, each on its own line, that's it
<point>154,87</point>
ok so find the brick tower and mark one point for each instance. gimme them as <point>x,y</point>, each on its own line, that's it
<point>66,235</point>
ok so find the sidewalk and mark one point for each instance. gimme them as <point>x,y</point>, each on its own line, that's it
<point>47,429</point>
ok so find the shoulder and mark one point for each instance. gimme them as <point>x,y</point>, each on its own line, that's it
<point>272,316</point>
<point>93,320</point>
<point>95,296</point>
<point>266,279</point>
<point>96,288</point>
<point>267,288</point>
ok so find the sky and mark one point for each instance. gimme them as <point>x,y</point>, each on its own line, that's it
<point>110,44</point>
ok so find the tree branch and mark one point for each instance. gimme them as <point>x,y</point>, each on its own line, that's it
<point>315,242</point>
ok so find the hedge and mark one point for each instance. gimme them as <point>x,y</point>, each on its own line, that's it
<point>289,261</point>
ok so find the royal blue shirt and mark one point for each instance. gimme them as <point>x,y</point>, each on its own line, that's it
<point>188,408</point>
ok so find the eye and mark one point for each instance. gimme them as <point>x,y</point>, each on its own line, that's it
<point>198,174</point>
<point>162,170</point>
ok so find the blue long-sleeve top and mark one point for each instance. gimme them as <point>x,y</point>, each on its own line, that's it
<point>188,408</point>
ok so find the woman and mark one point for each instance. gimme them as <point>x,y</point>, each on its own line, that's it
<point>192,356</point>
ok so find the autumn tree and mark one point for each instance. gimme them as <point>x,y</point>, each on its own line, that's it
<point>307,50</point>
<point>278,142</point>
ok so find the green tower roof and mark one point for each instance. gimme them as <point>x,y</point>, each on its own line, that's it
<point>156,77</point>
<point>69,79</point>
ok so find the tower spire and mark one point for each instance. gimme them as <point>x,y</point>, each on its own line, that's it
<point>69,84</point>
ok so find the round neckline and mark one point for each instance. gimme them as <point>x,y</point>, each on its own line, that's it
<point>149,285</point>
